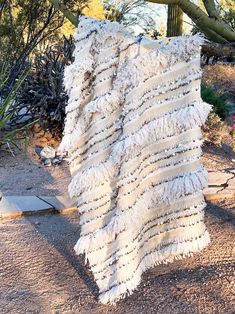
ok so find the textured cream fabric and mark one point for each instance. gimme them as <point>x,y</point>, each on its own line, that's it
<point>133,137</point>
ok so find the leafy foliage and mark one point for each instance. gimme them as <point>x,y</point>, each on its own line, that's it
<point>94,9</point>
<point>130,13</point>
<point>32,35</point>
<point>27,24</point>
<point>227,11</point>
<point>210,96</point>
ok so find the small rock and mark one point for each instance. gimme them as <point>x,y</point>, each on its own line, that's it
<point>38,149</point>
<point>37,128</point>
<point>46,162</point>
<point>56,161</point>
<point>47,152</point>
<point>37,222</point>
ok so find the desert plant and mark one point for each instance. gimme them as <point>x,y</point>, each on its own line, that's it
<point>210,96</point>
<point>43,95</point>
<point>25,25</point>
<point>7,101</point>
<point>174,20</point>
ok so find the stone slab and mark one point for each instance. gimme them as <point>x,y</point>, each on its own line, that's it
<point>63,204</point>
<point>13,206</point>
<point>218,178</point>
<point>228,191</point>
<point>231,184</point>
<point>211,190</point>
<point>218,193</point>
<point>217,197</point>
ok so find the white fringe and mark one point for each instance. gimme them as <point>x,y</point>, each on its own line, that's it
<point>122,249</point>
<point>105,104</point>
<point>176,252</point>
<point>167,125</point>
<point>190,183</point>
<point>89,179</point>
<point>158,60</point>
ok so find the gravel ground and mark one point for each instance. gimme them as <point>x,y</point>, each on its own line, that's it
<point>39,272</point>
<point>25,175</point>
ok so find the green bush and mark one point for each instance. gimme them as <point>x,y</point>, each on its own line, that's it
<point>210,96</point>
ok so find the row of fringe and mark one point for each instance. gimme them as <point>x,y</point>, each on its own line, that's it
<point>101,226</point>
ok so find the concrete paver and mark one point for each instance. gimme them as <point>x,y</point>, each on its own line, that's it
<point>13,206</point>
<point>218,178</point>
<point>221,185</point>
<point>62,204</point>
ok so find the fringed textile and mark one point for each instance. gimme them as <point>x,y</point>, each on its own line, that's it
<point>133,138</point>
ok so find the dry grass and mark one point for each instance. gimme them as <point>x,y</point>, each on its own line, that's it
<point>221,77</point>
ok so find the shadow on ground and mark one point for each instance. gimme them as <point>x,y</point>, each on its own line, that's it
<point>25,175</point>
<point>41,274</point>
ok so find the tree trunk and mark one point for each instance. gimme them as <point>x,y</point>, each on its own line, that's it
<point>174,21</point>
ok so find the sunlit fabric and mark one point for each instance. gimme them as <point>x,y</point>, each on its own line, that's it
<point>133,138</point>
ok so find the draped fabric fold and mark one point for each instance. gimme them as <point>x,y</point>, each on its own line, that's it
<point>133,138</point>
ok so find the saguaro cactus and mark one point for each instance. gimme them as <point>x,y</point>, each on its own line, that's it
<point>174,21</point>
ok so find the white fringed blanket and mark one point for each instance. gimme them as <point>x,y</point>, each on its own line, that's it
<point>133,137</point>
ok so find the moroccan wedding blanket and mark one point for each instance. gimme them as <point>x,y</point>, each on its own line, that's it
<point>133,138</point>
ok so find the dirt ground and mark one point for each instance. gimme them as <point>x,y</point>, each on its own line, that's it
<point>39,272</point>
<point>24,174</point>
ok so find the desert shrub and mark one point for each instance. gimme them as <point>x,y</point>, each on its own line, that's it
<point>215,130</point>
<point>43,94</point>
<point>210,96</point>
<point>221,77</point>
